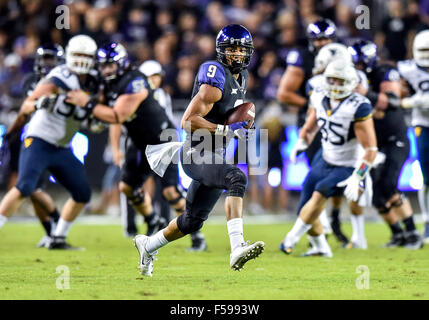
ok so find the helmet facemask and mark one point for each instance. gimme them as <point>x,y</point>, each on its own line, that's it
<point>235,56</point>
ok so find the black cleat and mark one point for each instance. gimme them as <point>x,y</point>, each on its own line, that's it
<point>198,242</point>
<point>155,226</point>
<point>336,229</point>
<point>397,240</point>
<point>412,240</point>
<point>59,243</point>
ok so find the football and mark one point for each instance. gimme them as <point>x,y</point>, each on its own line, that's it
<point>242,112</point>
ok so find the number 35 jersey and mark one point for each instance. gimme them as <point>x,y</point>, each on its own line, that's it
<point>336,123</point>
<point>59,124</point>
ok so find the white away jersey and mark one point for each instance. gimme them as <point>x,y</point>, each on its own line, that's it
<point>418,79</point>
<point>59,124</point>
<point>339,144</point>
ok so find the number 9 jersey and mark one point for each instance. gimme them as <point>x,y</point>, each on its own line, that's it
<point>58,125</point>
<point>336,123</point>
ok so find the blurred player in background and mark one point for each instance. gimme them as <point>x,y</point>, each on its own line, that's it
<point>130,101</point>
<point>219,86</point>
<point>153,71</point>
<point>416,74</point>
<point>50,130</point>
<point>344,119</point>
<point>389,121</point>
<point>46,58</point>
<point>292,91</point>
<point>329,53</point>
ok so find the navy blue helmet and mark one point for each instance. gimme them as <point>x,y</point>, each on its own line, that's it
<point>47,57</point>
<point>230,36</point>
<point>364,53</point>
<point>320,29</point>
<point>113,53</point>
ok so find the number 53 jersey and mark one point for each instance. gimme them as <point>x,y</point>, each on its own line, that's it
<point>58,125</point>
<point>336,123</point>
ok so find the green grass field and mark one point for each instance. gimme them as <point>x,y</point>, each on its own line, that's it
<point>107,269</point>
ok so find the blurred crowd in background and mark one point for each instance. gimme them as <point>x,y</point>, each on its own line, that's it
<point>180,34</point>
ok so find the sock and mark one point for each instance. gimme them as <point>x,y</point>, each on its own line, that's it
<point>396,228</point>
<point>335,214</point>
<point>54,215</point>
<point>299,228</point>
<point>409,224</point>
<point>155,242</point>
<point>151,218</point>
<point>321,244</point>
<point>423,196</point>
<point>235,232</point>
<point>323,217</point>
<point>358,224</point>
<point>63,228</point>
<point>3,220</point>
<point>47,226</point>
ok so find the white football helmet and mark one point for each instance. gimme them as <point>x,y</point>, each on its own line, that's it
<point>80,54</point>
<point>345,73</point>
<point>330,52</point>
<point>421,48</point>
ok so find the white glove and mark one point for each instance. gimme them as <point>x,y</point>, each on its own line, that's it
<point>418,100</point>
<point>299,146</point>
<point>380,158</point>
<point>352,183</point>
<point>351,192</point>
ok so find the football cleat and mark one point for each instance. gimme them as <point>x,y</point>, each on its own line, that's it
<point>44,242</point>
<point>59,243</point>
<point>412,240</point>
<point>396,241</point>
<point>198,242</point>
<point>314,252</point>
<point>426,234</point>
<point>146,258</point>
<point>287,246</point>
<point>355,245</point>
<point>157,225</point>
<point>244,253</point>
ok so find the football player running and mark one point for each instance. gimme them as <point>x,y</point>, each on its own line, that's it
<point>219,86</point>
<point>329,53</point>
<point>130,102</point>
<point>389,121</point>
<point>416,74</point>
<point>345,120</point>
<point>50,130</point>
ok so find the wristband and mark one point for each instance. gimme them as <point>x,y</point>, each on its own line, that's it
<point>221,130</point>
<point>91,104</point>
<point>363,168</point>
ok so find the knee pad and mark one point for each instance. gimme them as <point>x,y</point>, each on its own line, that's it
<point>383,210</point>
<point>179,197</point>
<point>236,182</point>
<point>137,198</point>
<point>188,223</point>
<point>83,195</point>
<point>398,202</point>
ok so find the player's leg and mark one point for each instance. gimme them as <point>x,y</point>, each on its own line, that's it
<point>70,172</point>
<point>47,213</point>
<point>128,217</point>
<point>135,171</point>
<point>423,194</point>
<point>358,239</point>
<point>176,199</point>
<point>34,158</point>
<point>335,219</point>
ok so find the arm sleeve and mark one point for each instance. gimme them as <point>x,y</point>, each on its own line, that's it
<point>213,74</point>
<point>363,112</point>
